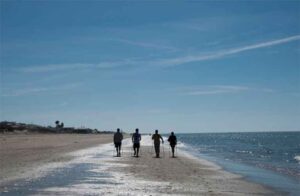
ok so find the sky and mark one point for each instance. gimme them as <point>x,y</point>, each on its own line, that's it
<point>183,66</point>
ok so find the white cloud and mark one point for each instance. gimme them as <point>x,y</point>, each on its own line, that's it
<point>163,62</point>
<point>54,67</point>
<point>223,53</point>
<point>145,44</point>
<point>38,90</point>
<point>212,89</point>
<point>219,89</point>
<point>75,66</point>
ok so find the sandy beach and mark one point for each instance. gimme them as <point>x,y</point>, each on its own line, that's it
<point>91,169</point>
<point>186,175</point>
<point>20,153</point>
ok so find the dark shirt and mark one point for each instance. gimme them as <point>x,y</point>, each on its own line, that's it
<point>136,138</point>
<point>156,137</point>
<point>172,139</point>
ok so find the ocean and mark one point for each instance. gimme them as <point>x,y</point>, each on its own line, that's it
<point>269,158</point>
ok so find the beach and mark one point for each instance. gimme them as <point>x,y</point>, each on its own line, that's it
<point>94,170</point>
<point>221,75</point>
<point>187,175</point>
<point>21,153</point>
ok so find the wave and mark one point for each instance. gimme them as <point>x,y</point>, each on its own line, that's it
<point>297,158</point>
<point>147,141</point>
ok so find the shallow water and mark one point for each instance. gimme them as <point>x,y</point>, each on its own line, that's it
<point>267,158</point>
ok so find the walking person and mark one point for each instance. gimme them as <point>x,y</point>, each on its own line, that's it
<point>136,138</point>
<point>173,141</point>
<point>118,137</point>
<point>156,139</point>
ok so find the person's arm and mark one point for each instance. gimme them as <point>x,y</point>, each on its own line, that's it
<point>140,137</point>
<point>132,138</point>
<point>161,139</point>
<point>121,136</point>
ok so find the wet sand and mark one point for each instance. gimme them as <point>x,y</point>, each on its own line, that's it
<point>186,175</point>
<point>97,172</point>
<point>21,153</point>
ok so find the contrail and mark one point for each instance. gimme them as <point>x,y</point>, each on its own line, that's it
<point>216,55</point>
<point>163,62</point>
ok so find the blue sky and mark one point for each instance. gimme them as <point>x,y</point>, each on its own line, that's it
<point>172,65</point>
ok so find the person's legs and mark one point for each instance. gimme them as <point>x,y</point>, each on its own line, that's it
<point>173,147</point>
<point>137,149</point>
<point>134,149</point>
<point>156,149</point>
<point>120,149</point>
<point>116,146</point>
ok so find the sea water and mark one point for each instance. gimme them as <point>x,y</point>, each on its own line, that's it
<point>269,158</point>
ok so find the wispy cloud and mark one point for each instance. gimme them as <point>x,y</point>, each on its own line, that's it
<point>162,62</point>
<point>53,67</point>
<point>212,89</point>
<point>145,44</point>
<point>223,53</point>
<point>219,89</point>
<point>38,90</point>
<point>75,66</point>
<point>157,111</point>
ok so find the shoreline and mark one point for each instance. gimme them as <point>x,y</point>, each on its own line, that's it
<point>266,178</point>
<point>228,168</point>
<point>265,158</point>
<point>184,175</point>
<point>188,175</point>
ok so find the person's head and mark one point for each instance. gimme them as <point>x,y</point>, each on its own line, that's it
<point>156,131</point>
<point>136,130</point>
<point>118,130</point>
<point>172,133</point>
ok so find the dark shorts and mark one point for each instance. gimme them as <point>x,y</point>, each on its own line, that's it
<point>136,145</point>
<point>118,144</point>
<point>172,145</point>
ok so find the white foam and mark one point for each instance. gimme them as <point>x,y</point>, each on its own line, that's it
<point>297,158</point>
<point>117,183</point>
<point>147,141</point>
<point>181,145</point>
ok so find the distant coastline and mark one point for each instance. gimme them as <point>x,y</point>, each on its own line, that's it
<point>15,127</point>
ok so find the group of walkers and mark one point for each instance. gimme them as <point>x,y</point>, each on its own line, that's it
<point>136,139</point>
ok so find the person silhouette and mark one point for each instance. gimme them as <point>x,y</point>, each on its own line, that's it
<point>173,141</point>
<point>136,138</point>
<point>118,137</point>
<point>156,139</point>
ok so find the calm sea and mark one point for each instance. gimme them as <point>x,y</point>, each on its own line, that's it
<point>269,158</point>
